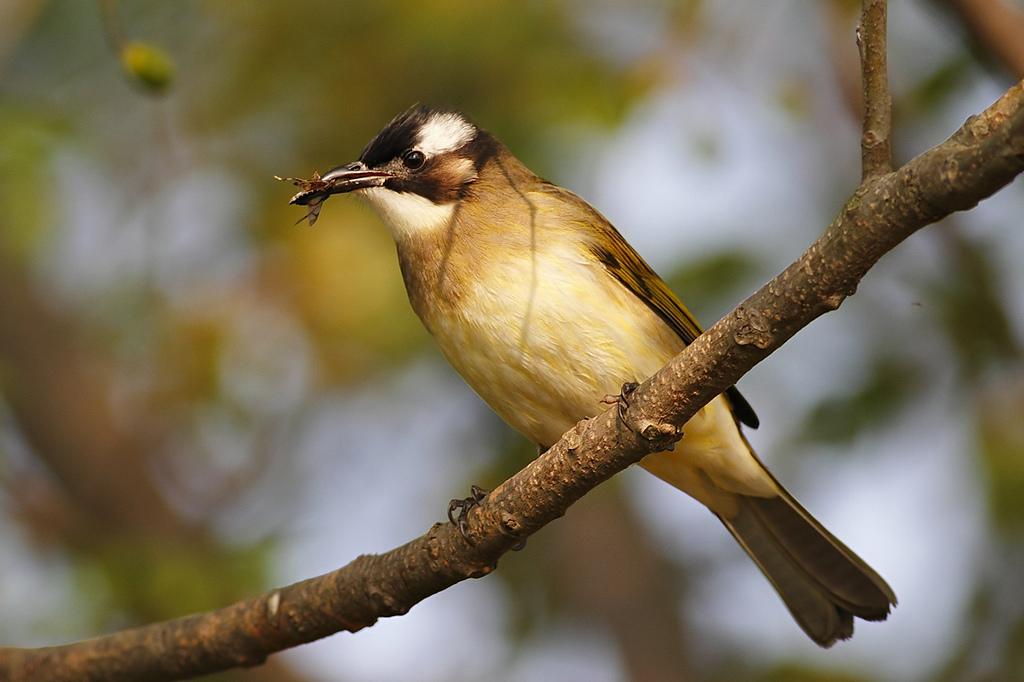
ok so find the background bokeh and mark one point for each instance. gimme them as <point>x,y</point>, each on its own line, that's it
<point>200,400</point>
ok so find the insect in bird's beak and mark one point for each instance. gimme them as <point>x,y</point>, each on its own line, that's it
<point>335,181</point>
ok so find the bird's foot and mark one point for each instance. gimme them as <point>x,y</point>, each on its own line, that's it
<point>622,400</point>
<point>476,495</point>
<point>659,436</point>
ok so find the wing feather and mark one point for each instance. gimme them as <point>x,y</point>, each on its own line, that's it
<point>626,265</point>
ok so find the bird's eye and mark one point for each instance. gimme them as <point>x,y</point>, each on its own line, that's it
<point>413,159</point>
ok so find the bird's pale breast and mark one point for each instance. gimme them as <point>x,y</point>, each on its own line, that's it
<point>542,339</point>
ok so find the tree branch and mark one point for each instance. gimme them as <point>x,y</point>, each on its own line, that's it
<point>875,142</point>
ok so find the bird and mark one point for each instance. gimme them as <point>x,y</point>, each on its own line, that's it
<point>545,310</point>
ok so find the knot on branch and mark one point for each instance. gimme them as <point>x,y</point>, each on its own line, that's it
<point>870,140</point>
<point>658,437</point>
<point>835,300</point>
<point>386,602</point>
<point>754,329</point>
<point>273,604</point>
<point>510,525</point>
<point>983,126</point>
<point>575,437</point>
<point>950,172</point>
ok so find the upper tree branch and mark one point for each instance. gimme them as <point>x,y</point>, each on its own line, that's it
<point>875,142</point>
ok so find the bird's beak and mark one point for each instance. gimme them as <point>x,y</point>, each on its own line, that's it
<point>335,181</point>
<point>352,177</point>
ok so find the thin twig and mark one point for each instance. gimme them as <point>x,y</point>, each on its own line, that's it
<point>875,142</point>
<point>113,26</point>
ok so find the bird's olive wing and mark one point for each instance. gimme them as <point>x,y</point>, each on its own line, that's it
<point>626,265</point>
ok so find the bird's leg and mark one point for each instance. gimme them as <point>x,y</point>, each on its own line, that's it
<point>659,436</point>
<point>476,495</point>
<point>622,400</point>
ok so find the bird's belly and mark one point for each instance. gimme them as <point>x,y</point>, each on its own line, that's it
<point>543,351</point>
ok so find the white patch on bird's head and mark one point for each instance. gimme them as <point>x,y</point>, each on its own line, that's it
<point>405,213</point>
<point>444,132</point>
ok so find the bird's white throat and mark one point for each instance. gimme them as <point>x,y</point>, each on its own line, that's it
<point>407,213</point>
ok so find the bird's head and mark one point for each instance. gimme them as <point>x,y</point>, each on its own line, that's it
<point>415,171</point>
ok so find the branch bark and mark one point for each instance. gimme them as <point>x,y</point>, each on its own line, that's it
<point>978,160</point>
<point>875,142</point>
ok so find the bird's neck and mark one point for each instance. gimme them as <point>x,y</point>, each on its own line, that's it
<point>490,221</point>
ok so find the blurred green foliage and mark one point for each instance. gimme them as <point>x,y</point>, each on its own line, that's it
<point>145,582</point>
<point>714,283</point>
<point>27,141</point>
<point>928,94</point>
<point>1000,433</point>
<point>148,65</point>
<point>876,401</point>
<point>971,305</point>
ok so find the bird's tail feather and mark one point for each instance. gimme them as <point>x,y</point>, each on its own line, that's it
<point>822,582</point>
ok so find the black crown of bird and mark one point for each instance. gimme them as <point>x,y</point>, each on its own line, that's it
<point>544,309</point>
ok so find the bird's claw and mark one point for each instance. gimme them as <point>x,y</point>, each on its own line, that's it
<point>621,401</point>
<point>659,436</point>
<point>476,495</point>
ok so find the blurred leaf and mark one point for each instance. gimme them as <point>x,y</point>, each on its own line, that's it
<point>349,290</point>
<point>1013,659</point>
<point>706,285</point>
<point>158,580</point>
<point>1000,434</point>
<point>796,96</point>
<point>148,66</point>
<point>963,661</point>
<point>930,93</point>
<point>188,360</point>
<point>888,387</point>
<point>27,140</point>
<point>970,305</point>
